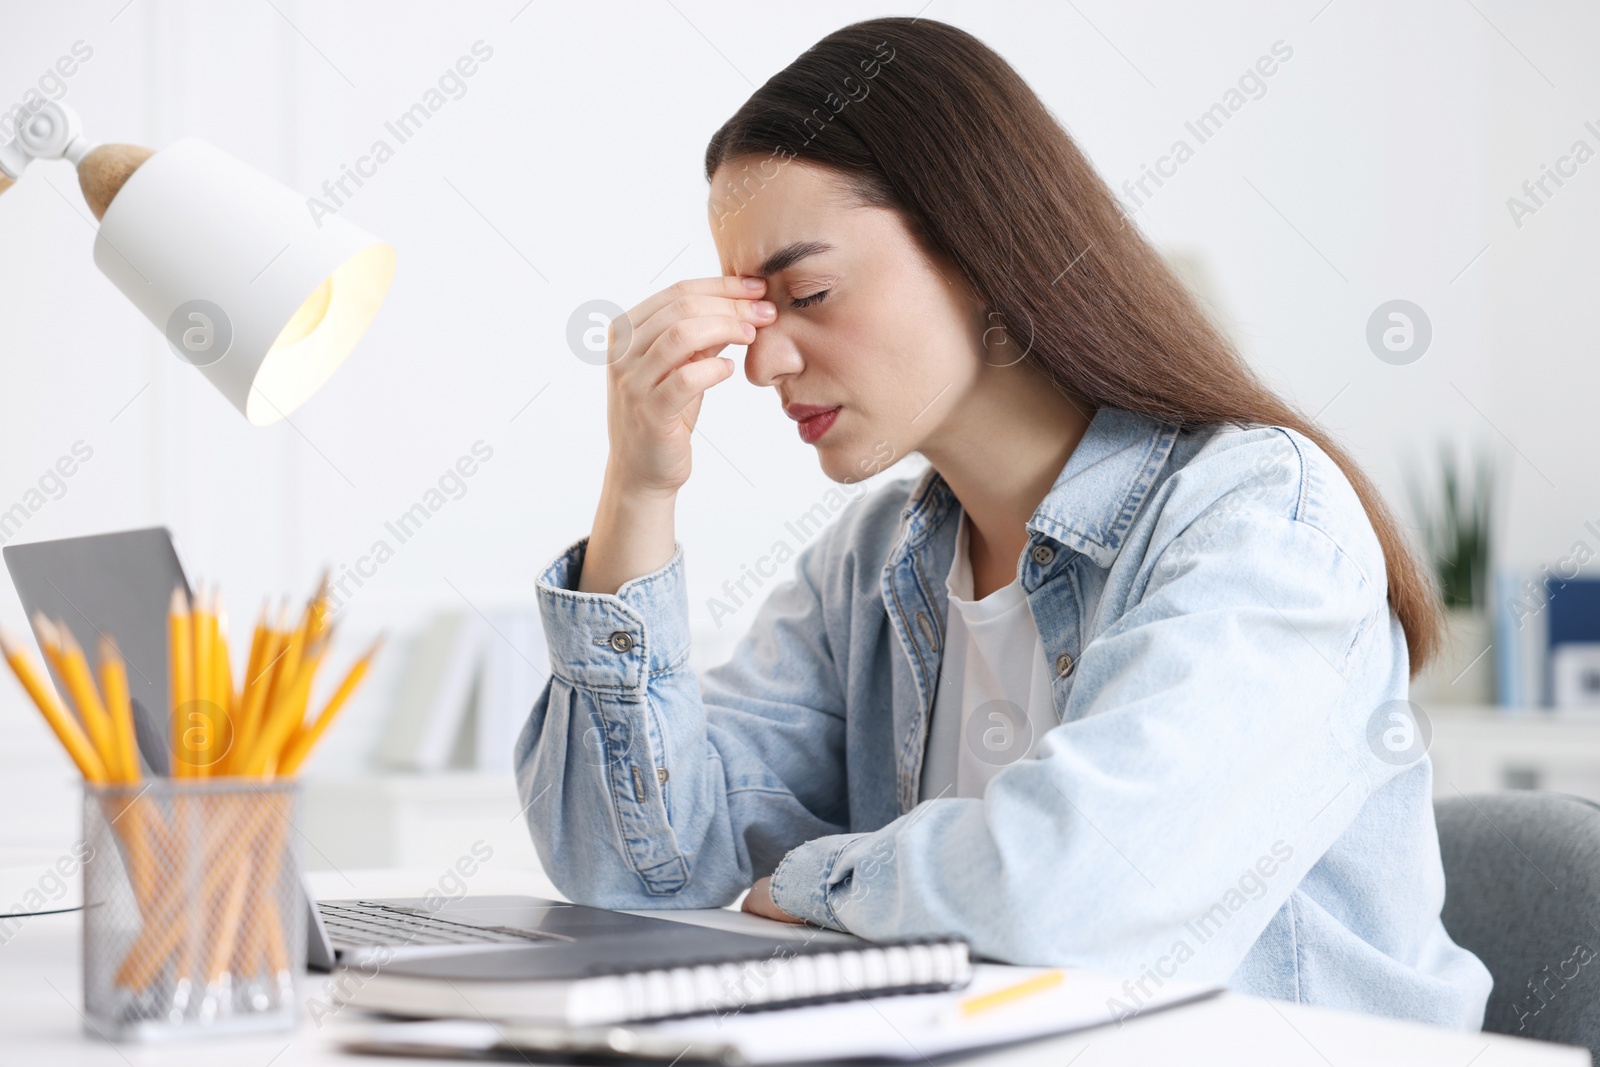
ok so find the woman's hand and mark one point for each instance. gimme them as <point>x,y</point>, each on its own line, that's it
<point>658,366</point>
<point>759,902</point>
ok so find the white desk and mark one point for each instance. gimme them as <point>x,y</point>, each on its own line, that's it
<point>40,1022</point>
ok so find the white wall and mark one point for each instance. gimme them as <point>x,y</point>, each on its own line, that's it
<point>1376,165</point>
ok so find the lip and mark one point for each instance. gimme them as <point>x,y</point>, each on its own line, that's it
<point>802,411</point>
<point>811,429</point>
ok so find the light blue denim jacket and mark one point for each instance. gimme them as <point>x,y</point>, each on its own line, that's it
<point>1233,794</point>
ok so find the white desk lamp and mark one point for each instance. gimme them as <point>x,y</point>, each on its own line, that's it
<point>228,264</point>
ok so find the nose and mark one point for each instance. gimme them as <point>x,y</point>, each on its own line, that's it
<point>771,356</point>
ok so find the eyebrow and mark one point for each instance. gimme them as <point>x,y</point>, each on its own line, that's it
<point>789,255</point>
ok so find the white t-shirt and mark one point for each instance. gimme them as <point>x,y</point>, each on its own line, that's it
<point>993,701</point>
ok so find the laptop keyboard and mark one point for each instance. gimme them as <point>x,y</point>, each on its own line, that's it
<point>370,923</point>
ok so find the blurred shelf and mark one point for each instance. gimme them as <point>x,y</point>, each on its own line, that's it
<point>413,820</point>
<point>1478,749</point>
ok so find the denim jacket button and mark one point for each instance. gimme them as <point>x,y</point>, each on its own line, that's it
<point>1064,665</point>
<point>661,775</point>
<point>1043,554</point>
<point>622,640</point>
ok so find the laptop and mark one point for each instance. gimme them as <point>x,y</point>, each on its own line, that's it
<point>121,583</point>
<point>554,936</point>
<point>118,584</point>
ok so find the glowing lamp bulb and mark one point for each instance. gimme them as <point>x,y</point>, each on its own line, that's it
<point>304,322</point>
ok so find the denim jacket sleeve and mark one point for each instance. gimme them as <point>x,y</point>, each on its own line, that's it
<point>1210,751</point>
<point>646,787</point>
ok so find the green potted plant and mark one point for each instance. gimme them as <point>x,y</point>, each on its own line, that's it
<point>1456,527</point>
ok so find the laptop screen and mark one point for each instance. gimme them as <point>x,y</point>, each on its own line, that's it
<point>119,585</point>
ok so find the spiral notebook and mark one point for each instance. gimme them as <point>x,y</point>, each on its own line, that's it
<point>1002,1006</point>
<point>703,971</point>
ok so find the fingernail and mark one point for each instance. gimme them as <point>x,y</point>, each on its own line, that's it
<point>764,308</point>
<point>754,283</point>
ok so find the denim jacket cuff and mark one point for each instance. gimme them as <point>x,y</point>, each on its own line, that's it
<point>612,642</point>
<point>801,882</point>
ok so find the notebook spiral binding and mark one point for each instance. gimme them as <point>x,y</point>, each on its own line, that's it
<point>785,980</point>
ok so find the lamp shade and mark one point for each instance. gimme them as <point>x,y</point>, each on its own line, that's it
<point>232,267</point>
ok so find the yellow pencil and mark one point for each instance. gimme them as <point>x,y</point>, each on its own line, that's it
<point>226,728</point>
<point>252,661</point>
<point>295,751</point>
<point>265,933</point>
<point>66,728</point>
<point>227,934</point>
<point>143,827</point>
<point>257,689</point>
<point>287,712</point>
<point>284,665</point>
<point>1005,995</point>
<point>64,654</point>
<point>203,735</point>
<point>241,708</point>
<point>317,607</point>
<point>258,640</point>
<point>180,679</point>
<point>114,686</point>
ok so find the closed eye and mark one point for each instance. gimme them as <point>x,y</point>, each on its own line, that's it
<point>807,301</point>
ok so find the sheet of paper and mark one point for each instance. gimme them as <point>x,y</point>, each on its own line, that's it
<point>917,1026</point>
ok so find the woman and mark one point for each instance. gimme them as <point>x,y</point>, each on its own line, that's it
<point>1096,688</point>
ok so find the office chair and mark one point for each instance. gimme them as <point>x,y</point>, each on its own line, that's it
<point>1522,892</point>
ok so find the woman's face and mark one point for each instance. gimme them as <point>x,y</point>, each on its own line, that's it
<point>866,321</point>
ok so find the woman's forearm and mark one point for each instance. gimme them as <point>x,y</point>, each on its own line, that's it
<point>632,536</point>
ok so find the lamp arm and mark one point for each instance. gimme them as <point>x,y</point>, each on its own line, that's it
<point>54,131</point>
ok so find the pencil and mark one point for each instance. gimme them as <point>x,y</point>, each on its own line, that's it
<point>284,665</point>
<point>1006,994</point>
<point>317,607</point>
<point>142,831</point>
<point>222,690</point>
<point>286,714</point>
<point>66,728</point>
<point>223,941</point>
<point>65,655</point>
<point>204,685</point>
<point>269,932</point>
<point>258,643</point>
<point>252,666</point>
<point>258,687</point>
<point>114,687</point>
<point>88,709</point>
<point>180,680</point>
<point>286,677</point>
<point>300,744</point>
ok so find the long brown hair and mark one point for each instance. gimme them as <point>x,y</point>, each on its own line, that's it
<point>924,118</point>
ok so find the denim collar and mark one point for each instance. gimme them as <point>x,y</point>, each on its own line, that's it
<point>1095,497</point>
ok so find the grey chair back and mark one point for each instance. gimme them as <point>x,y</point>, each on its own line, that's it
<point>1522,892</point>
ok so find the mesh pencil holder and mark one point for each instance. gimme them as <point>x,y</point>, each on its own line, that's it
<point>194,911</point>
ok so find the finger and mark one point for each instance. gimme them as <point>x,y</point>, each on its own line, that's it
<point>679,389</point>
<point>757,312</point>
<point>726,287</point>
<point>690,341</point>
